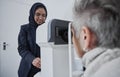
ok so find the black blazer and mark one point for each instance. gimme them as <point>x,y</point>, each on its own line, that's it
<point>28,49</point>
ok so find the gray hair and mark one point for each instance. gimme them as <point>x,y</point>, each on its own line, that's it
<point>102,17</point>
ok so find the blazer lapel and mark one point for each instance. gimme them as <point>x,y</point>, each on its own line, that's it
<point>33,37</point>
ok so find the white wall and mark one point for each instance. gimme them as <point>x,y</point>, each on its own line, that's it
<point>61,9</point>
<point>12,15</point>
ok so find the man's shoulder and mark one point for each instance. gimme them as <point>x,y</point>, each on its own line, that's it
<point>110,69</point>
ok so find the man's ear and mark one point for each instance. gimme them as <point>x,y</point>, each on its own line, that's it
<point>86,37</point>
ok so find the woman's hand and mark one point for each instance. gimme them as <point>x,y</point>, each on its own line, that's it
<point>37,62</point>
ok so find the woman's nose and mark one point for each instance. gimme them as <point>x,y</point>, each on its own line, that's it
<point>40,16</point>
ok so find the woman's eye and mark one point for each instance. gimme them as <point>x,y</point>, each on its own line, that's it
<point>37,14</point>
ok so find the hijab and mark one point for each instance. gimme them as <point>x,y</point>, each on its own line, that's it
<point>34,7</point>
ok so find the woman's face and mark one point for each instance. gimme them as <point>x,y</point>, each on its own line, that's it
<point>40,16</point>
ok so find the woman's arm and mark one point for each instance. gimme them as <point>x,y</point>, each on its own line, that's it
<point>23,47</point>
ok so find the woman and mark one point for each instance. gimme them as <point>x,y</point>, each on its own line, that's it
<point>28,49</point>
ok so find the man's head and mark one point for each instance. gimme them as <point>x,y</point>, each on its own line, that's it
<point>97,23</point>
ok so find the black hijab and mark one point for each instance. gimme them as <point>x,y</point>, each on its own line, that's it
<point>34,7</point>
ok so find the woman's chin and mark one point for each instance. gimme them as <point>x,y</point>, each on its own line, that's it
<point>40,23</point>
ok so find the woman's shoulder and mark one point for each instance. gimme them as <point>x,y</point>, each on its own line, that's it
<point>25,26</point>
